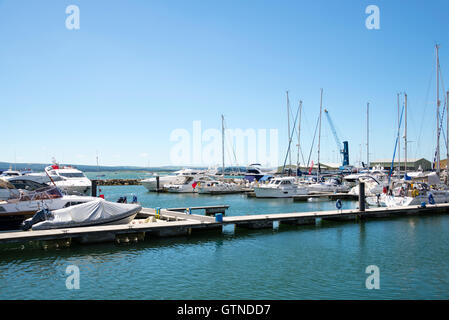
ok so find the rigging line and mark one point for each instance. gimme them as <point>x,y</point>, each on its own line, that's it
<point>441,77</point>
<point>290,141</point>
<point>418,140</point>
<point>313,142</point>
<point>438,134</point>
<point>395,145</point>
<point>229,145</point>
<point>296,132</point>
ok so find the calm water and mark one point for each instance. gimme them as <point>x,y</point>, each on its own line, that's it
<point>324,261</point>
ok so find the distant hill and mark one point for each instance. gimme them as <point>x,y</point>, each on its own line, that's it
<point>40,167</point>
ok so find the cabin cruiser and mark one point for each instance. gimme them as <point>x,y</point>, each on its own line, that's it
<point>11,173</point>
<point>254,172</point>
<point>151,183</point>
<point>69,179</point>
<point>186,184</point>
<point>326,185</point>
<point>24,204</point>
<point>373,185</point>
<point>218,187</point>
<point>92,213</point>
<point>282,187</point>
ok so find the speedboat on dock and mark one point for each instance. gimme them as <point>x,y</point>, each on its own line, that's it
<point>93,213</point>
<point>23,204</point>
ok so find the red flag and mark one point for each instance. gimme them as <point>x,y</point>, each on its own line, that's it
<point>194,185</point>
<point>310,170</point>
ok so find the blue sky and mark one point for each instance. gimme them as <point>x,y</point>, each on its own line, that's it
<point>137,70</point>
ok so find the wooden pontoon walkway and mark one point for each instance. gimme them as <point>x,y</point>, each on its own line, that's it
<point>172,223</point>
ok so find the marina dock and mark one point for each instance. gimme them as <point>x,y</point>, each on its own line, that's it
<point>176,223</point>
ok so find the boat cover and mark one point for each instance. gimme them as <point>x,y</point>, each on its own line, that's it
<point>94,212</point>
<point>433,179</point>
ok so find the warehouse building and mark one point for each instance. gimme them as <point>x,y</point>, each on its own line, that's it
<point>412,164</point>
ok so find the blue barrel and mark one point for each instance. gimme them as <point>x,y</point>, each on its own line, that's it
<point>219,217</point>
<point>423,204</point>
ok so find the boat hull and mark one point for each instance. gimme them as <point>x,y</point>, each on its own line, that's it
<point>262,192</point>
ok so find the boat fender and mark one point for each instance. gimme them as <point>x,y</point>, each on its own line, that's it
<point>338,204</point>
<point>431,199</point>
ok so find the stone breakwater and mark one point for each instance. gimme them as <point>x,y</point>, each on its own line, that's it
<point>118,182</point>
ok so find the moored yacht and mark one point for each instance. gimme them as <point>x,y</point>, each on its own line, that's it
<point>69,179</point>
<point>186,184</point>
<point>24,204</point>
<point>282,187</point>
<point>151,183</point>
<point>219,187</point>
<point>328,185</point>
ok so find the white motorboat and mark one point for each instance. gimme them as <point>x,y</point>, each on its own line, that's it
<point>282,187</point>
<point>151,183</point>
<point>186,184</point>
<point>328,185</point>
<point>373,185</point>
<point>26,203</point>
<point>219,187</point>
<point>69,179</point>
<point>93,213</point>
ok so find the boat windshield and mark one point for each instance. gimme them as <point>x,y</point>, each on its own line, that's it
<point>72,174</point>
<point>41,194</point>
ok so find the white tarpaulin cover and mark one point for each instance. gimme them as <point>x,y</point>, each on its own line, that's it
<point>94,212</point>
<point>433,179</point>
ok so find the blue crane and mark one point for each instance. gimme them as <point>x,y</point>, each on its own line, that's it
<point>343,148</point>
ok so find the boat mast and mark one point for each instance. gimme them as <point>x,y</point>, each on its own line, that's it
<point>98,168</point>
<point>289,138</point>
<point>405,135</point>
<point>399,140</point>
<point>319,136</point>
<point>367,135</point>
<point>222,146</point>
<point>447,129</point>
<point>299,136</point>
<point>438,108</point>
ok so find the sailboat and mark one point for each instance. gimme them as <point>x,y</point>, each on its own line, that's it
<point>284,187</point>
<point>98,170</point>
<point>413,190</point>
